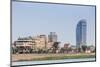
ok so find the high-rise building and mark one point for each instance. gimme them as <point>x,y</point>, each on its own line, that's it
<point>81,34</point>
<point>52,37</point>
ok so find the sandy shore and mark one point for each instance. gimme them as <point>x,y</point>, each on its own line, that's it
<point>27,57</point>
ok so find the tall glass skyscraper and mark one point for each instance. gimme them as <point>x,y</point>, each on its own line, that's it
<point>81,34</point>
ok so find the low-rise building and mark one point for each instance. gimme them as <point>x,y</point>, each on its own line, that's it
<point>37,43</point>
<point>40,42</point>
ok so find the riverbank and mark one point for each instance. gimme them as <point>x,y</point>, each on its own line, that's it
<point>39,57</point>
<point>53,61</point>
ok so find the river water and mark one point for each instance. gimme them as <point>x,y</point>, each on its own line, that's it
<point>51,61</point>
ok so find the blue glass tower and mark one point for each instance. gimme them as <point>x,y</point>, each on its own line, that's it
<point>81,34</point>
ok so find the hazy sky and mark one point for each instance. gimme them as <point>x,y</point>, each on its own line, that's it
<point>31,19</point>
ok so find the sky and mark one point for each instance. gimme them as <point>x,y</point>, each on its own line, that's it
<point>32,19</point>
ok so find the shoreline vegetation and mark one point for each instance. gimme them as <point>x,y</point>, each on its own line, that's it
<point>43,57</point>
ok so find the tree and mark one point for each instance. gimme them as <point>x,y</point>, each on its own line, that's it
<point>55,46</point>
<point>84,47</point>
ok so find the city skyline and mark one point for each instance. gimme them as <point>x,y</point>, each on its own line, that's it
<point>29,19</point>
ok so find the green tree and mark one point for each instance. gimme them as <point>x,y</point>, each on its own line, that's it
<point>55,46</point>
<point>84,47</point>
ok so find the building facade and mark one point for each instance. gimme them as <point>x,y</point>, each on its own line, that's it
<point>81,34</point>
<point>39,43</point>
<point>52,37</point>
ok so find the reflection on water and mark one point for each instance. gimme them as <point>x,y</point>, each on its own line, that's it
<point>51,61</point>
